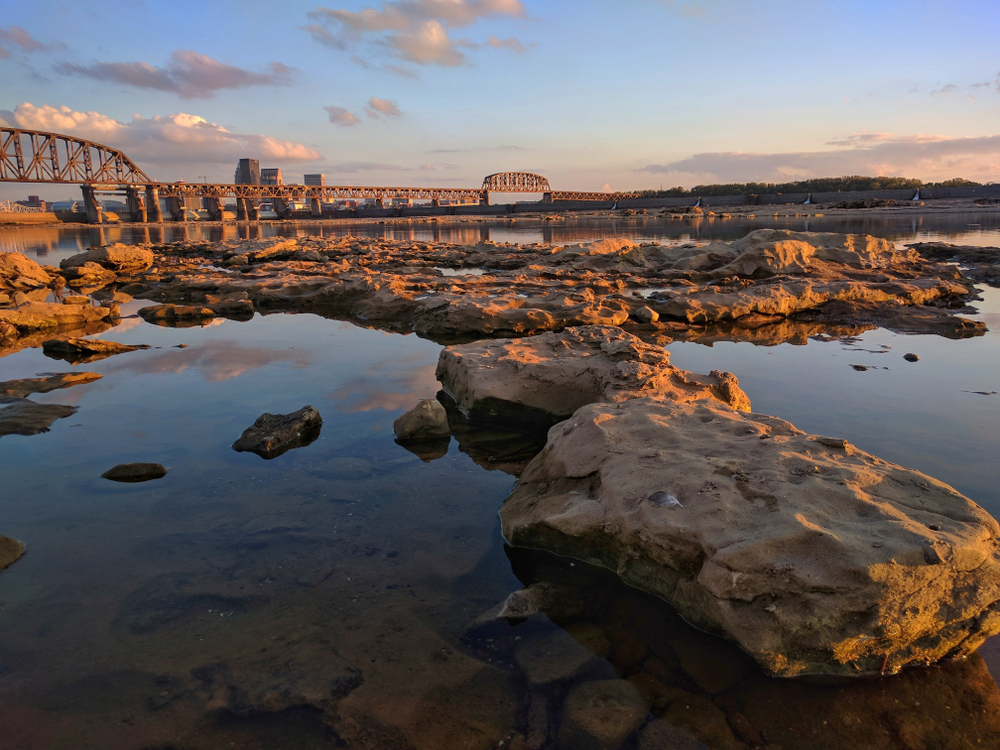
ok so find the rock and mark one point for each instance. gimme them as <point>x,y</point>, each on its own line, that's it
<point>76,299</point>
<point>911,357</point>
<point>19,272</point>
<point>135,472</point>
<point>701,718</point>
<point>274,434</point>
<point>554,656</point>
<point>19,416</point>
<point>116,257</point>
<point>428,419</point>
<point>46,316</point>
<point>169,314</point>
<point>600,715</point>
<point>646,314</point>
<point>22,388</point>
<point>813,535</point>
<point>88,275</point>
<point>659,735</point>
<point>11,550</point>
<point>80,350</point>
<point>546,378</point>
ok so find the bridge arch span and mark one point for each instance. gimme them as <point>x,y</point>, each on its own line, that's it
<point>515,182</point>
<point>39,156</point>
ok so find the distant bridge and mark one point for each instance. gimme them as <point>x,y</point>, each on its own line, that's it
<point>36,156</point>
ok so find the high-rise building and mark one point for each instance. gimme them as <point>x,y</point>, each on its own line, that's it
<point>271,177</point>
<point>247,172</point>
<point>315,179</point>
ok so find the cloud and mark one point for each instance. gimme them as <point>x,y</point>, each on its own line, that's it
<point>217,360</point>
<point>356,167</point>
<point>377,108</point>
<point>927,157</point>
<point>995,84</point>
<point>15,37</point>
<point>473,150</point>
<point>340,116</point>
<point>413,30</point>
<point>166,139</point>
<point>944,90</point>
<point>189,74</point>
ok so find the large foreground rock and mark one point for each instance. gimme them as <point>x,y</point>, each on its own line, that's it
<point>547,377</point>
<point>10,551</point>
<point>814,556</point>
<point>273,434</point>
<point>116,257</point>
<point>19,272</point>
<point>36,317</point>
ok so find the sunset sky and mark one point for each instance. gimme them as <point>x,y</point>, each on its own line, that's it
<point>593,95</point>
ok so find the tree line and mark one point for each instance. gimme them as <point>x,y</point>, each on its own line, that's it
<point>816,185</point>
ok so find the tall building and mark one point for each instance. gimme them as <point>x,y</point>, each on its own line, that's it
<point>315,179</point>
<point>247,172</point>
<point>271,177</point>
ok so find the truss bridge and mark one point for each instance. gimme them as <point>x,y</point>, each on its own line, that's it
<point>35,156</point>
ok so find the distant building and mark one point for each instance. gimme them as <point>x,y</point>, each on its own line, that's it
<point>315,179</point>
<point>271,177</point>
<point>247,172</point>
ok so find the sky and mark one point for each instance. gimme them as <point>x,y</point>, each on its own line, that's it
<point>593,95</point>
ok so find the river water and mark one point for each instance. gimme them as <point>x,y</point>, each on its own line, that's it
<point>231,602</point>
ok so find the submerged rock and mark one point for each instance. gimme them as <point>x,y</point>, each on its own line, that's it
<point>19,416</point>
<point>600,715</point>
<point>814,556</point>
<point>11,551</point>
<point>545,378</point>
<point>27,386</point>
<point>135,472</point>
<point>274,434</point>
<point>81,351</point>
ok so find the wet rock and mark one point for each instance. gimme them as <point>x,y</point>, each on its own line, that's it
<point>88,275</point>
<point>19,416</point>
<point>19,272</point>
<point>600,715</point>
<point>116,257</point>
<point>274,434</point>
<point>170,314</point>
<point>81,351</point>
<point>11,551</point>
<point>428,419</point>
<point>135,472</point>
<point>22,388</point>
<point>911,357</point>
<point>660,735</point>
<point>545,378</point>
<point>555,656</point>
<point>701,718</point>
<point>646,314</point>
<point>47,316</point>
<point>814,535</point>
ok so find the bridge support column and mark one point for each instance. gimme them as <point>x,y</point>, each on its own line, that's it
<point>178,211</point>
<point>214,206</point>
<point>546,197</point>
<point>136,205</point>
<point>435,203</point>
<point>484,199</point>
<point>91,206</point>
<point>280,207</point>
<point>379,203</point>
<point>153,212</point>
<point>315,207</point>
<point>241,209</point>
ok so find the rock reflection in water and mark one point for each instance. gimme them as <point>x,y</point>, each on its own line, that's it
<point>581,624</point>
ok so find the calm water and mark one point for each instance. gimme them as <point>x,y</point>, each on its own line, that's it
<point>49,245</point>
<point>213,607</point>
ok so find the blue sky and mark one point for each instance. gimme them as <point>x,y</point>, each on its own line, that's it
<point>633,94</point>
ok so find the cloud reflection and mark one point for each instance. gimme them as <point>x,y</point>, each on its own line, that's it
<point>389,386</point>
<point>217,360</point>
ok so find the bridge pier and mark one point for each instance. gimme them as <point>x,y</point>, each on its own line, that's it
<point>91,206</point>
<point>484,199</point>
<point>379,203</point>
<point>546,197</point>
<point>215,207</point>
<point>315,207</point>
<point>153,212</point>
<point>280,207</point>
<point>178,211</point>
<point>435,203</point>
<point>136,205</point>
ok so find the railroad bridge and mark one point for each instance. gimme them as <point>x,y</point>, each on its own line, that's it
<point>36,156</point>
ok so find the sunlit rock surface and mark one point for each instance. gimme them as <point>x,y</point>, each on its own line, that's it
<point>814,556</point>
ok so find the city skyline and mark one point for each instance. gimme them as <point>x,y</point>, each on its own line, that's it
<point>443,92</point>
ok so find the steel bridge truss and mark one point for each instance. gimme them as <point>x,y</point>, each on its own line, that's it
<point>36,156</point>
<point>515,182</point>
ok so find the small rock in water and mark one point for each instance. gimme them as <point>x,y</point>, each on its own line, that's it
<point>600,715</point>
<point>664,500</point>
<point>135,472</point>
<point>10,551</point>
<point>273,434</point>
<point>860,368</point>
<point>910,357</point>
<point>428,419</point>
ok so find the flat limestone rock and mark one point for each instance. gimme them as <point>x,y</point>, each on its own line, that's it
<point>116,257</point>
<point>10,551</point>
<point>812,555</point>
<point>19,272</point>
<point>274,434</point>
<point>45,316</point>
<point>81,350</point>
<point>135,472</point>
<point>547,377</point>
<point>19,416</point>
<point>27,386</point>
<point>173,313</point>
